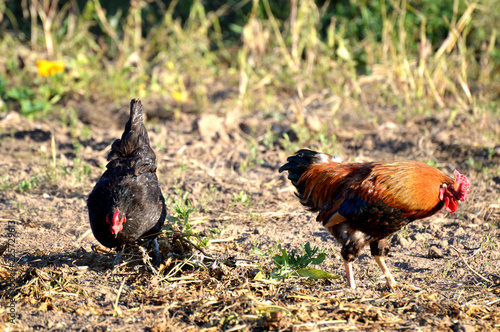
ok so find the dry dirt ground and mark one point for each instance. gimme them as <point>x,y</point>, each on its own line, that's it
<point>56,277</point>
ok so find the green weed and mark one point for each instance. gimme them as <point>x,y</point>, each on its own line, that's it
<point>293,263</point>
<point>241,197</point>
<point>180,209</point>
<point>404,232</point>
<point>5,183</point>
<point>446,270</point>
<point>28,184</point>
<point>488,242</point>
<point>80,170</point>
<point>209,197</point>
<point>18,205</point>
<point>432,162</point>
<point>252,159</point>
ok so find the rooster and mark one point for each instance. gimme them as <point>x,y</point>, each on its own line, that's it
<point>126,203</point>
<point>364,203</point>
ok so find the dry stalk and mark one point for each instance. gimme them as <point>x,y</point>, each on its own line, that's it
<point>469,267</point>
<point>107,27</point>
<point>177,268</point>
<point>279,37</point>
<point>452,38</point>
<point>116,310</point>
<point>84,235</point>
<point>34,26</point>
<point>147,260</point>
<point>47,15</point>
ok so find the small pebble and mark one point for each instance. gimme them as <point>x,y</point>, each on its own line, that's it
<point>435,252</point>
<point>462,328</point>
<point>404,243</point>
<point>419,237</point>
<point>400,240</point>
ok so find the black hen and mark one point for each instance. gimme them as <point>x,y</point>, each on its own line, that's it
<point>126,203</point>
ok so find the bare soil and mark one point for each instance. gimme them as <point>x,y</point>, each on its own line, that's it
<point>59,278</point>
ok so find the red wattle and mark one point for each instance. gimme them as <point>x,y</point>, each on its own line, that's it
<point>451,204</point>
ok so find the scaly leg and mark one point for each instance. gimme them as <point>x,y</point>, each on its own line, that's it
<point>391,283</point>
<point>349,274</point>
<point>157,254</point>
<point>118,257</point>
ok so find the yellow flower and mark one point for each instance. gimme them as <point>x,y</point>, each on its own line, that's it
<point>47,68</point>
<point>180,96</point>
<point>142,90</point>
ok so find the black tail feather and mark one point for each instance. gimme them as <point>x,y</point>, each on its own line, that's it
<point>134,136</point>
<point>135,122</point>
<point>299,163</point>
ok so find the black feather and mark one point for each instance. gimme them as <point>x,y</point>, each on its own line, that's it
<point>297,164</point>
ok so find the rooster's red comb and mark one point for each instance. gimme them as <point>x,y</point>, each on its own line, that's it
<point>463,185</point>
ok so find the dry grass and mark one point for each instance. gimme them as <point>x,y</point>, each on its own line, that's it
<point>187,293</point>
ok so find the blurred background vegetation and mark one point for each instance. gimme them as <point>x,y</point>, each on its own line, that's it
<point>417,55</point>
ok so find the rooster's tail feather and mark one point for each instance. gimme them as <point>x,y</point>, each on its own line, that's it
<point>297,164</point>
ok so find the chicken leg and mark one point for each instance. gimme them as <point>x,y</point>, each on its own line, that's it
<point>119,253</point>
<point>349,274</point>
<point>156,251</point>
<point>391,283</point>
